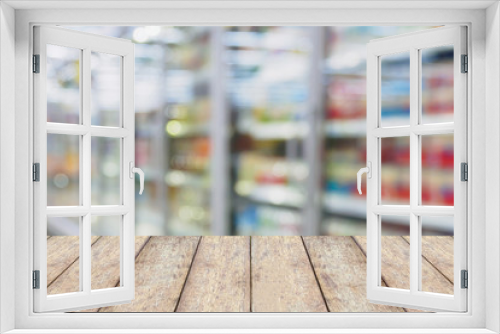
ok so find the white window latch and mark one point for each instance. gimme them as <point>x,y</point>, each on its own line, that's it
<point>368,171</point>
<point>132,171</point>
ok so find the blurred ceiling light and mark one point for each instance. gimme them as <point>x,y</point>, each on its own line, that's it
<point>140,34</point>
<point>153,31</point>
<point>173,128</point>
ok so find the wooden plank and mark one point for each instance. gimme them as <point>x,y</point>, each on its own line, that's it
<point>160,272</point>
<point>109,277</point>
<point>395,266</point>
<point>62,252</point>
<point>105,271</point>
<point>438,250</point>
<point>219,280</point>
<point>340,266</point>
<point>282,277</point>
<point>69,280</point>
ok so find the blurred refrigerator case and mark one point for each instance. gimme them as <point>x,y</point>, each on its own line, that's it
<point>172,104</point>
<point>345,127</point>
<point>188,112</point>
<point>268,97</point>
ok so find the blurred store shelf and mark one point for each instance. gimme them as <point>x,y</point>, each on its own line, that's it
<point>180,129</point>
<point>345,128</point>
<point>277,195</point>
<point>275,130</point>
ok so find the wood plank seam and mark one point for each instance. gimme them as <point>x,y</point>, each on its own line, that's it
<point>362,251</point>
<point>250,256</point>
<point>187,275</point>
<point>219,279</point>
<point>69,266</point>
<point>432,264</point>
<point>138,253</point>
<point>282,277</point>
<point>315,274</point>
<point>382,278</point>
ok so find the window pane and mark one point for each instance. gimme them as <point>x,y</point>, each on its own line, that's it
<point>395,171</point>
<point>437,170</point>
<point>437,249</point>
<point>437,84</point>
<point>395,251</point>
<point>106,171</point>
<point>106,89</point>
<point>63,170</point>
<point>106,252</point>
<point>395,89</point>
<point>63,84</point>
<point>63,249</point>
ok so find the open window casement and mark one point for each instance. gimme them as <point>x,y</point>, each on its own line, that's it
<point>84,141</point>
<point>399,68</point>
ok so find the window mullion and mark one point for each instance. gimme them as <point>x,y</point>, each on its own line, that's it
<point>85,167</point>
<point>415,258</point>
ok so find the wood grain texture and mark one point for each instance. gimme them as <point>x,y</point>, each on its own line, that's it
<point>340,266</point>
<point>108,277</point>
<point>105,263</point>
<point>62,252</point>
<point>394,266</point>
<point>219,280</point>
<point>438,250</point>
<point>261,274</point>
<point>282,277</point>
<point>160,272</point>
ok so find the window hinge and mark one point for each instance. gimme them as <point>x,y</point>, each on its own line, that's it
<point>465,279</point>
<point>36,279</point>
<point>36,63</point>
<point>465,64</point>
<point>464,171</point>
<point>36,172</point>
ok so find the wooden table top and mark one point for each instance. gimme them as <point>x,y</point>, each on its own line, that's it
<point>250,274</point>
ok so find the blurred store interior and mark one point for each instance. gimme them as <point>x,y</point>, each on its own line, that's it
<point>261,130</point>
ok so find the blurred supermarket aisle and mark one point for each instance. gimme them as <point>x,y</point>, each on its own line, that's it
<point>260,79</point>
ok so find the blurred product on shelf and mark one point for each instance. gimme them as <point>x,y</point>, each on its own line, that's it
<point>188,113</point>
<point>437,170</point>
<point>63,84</point>
<point>395,89</point>
<point>345,128</point>
<point>271,180</point>
<point>63,170</point>
<point>266,220</point>
<point>268,69</point>
<point>395,171</point>
<point>437,84</point>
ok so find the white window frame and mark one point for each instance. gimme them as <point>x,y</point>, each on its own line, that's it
<point>483,101</point>
<point>124,132</point>
<point>413,44</point>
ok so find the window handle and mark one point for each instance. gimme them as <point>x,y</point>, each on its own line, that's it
<point>139,171</point>
<point>368,171</point>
